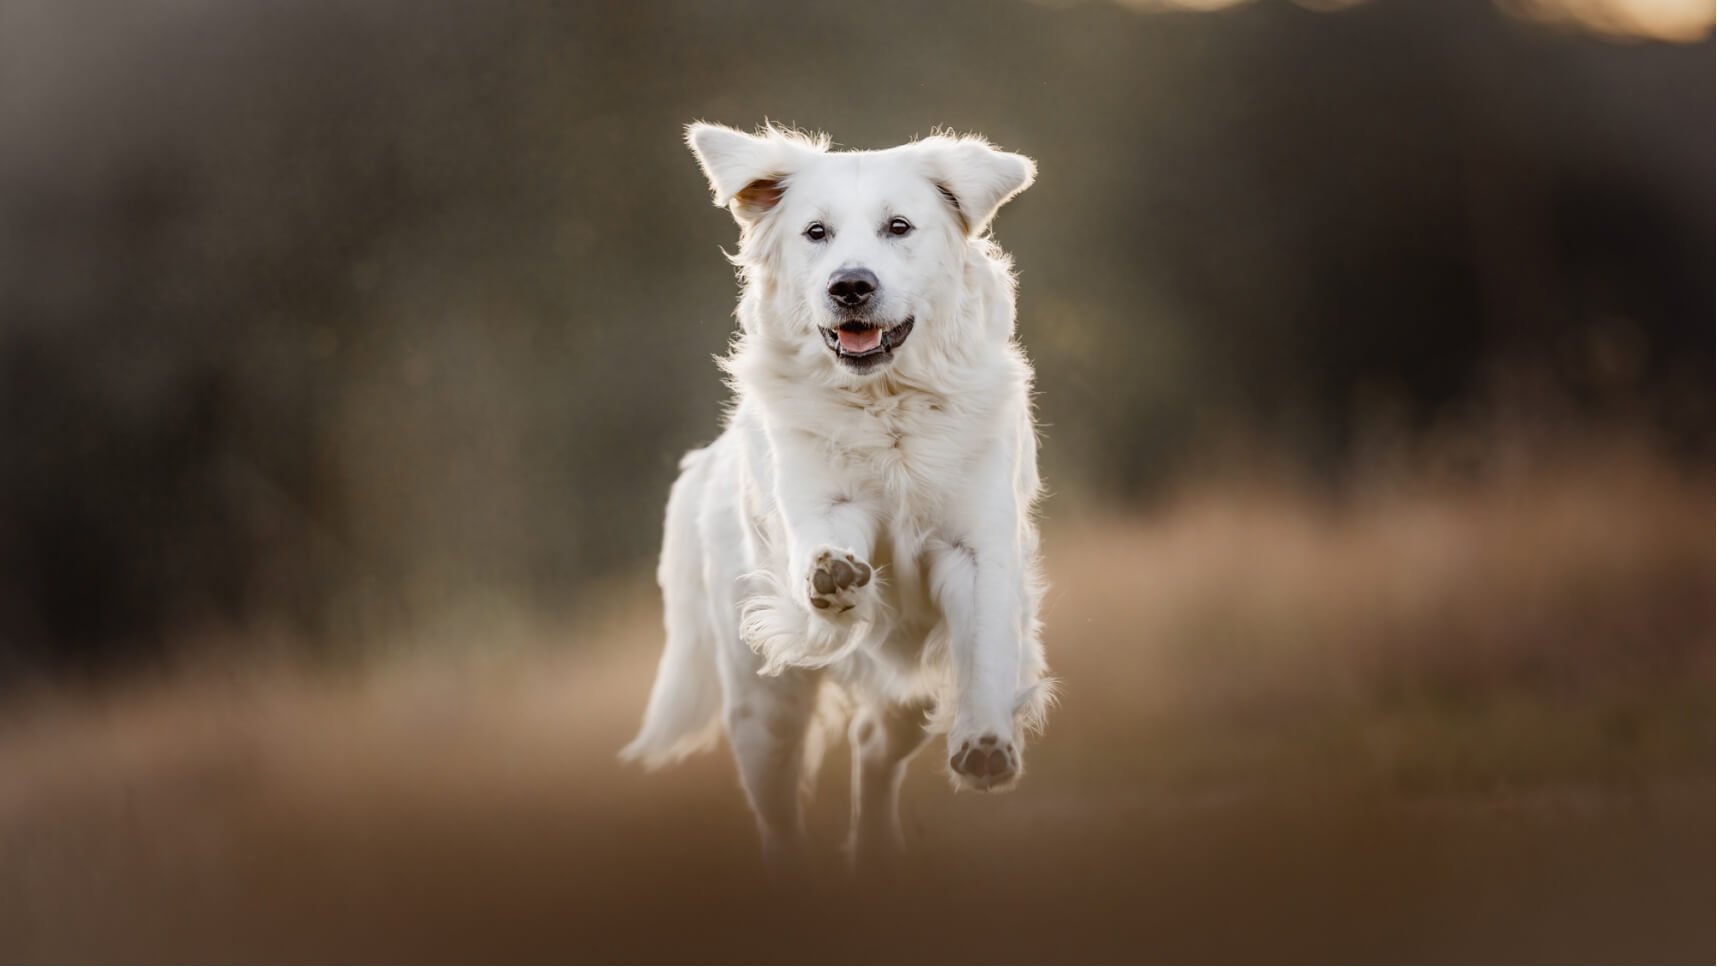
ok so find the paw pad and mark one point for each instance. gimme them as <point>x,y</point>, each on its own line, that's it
<point>835,578</point>
<point>989,761</point>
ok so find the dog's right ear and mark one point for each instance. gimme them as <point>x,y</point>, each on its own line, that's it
<point>746,173</point>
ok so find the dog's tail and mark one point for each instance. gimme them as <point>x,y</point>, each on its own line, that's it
<point>684,702</point>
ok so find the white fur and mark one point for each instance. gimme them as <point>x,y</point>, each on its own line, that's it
<point>924,468</point>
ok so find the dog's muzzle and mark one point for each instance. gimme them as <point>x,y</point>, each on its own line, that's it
<point>862,345</point>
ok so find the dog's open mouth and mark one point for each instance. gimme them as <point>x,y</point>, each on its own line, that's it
<point>862,344</point>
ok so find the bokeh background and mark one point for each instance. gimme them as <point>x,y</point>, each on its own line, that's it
<point>347,350</point>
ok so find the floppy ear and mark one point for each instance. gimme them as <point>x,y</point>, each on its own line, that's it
<point>745,172</point>
<point>976,178</point>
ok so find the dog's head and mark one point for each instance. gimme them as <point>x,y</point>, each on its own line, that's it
<point>858,252</point>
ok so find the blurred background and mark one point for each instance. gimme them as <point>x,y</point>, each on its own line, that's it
<point>347,351</point>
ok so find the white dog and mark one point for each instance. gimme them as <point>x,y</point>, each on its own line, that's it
<point>865,520</point>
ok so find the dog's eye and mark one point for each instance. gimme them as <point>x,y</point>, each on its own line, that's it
<point>899,226</point>
<point>816,232</point>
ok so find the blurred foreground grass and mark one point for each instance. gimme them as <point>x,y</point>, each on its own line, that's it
<point>1454,722</point>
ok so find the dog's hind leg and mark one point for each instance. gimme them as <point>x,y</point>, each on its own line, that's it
<point>768,720</point>
<point>884,737</point>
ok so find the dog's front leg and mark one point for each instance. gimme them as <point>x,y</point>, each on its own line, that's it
<point>978,578</point>
<point>820,593</point>
<point>829,532</point>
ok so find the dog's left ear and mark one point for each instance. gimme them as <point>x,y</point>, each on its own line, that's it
<point>975,177</point>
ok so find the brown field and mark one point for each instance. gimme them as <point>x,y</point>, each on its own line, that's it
<point>1462,723</point>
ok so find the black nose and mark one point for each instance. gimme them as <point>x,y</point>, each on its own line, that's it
<point>852,287</point>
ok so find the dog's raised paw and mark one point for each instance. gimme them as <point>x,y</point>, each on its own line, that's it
<point>986,762</point>
<point>835,580</point>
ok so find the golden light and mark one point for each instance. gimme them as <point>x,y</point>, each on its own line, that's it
<point>1196,6</point>
<point>1672,21</point>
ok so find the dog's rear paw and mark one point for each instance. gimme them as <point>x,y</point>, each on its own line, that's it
<point>836,580</point>
<point>984,762</point>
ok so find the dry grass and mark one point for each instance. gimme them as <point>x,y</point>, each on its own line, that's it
<point>1472,723</point>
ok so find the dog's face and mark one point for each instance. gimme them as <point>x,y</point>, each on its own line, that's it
<point>859,252</point>
<point>864,250</point>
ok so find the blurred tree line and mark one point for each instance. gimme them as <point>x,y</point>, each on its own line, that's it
<point>322,317</point>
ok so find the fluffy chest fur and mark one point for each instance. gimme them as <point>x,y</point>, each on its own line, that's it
<point>906,449</point>
<point>904,446</point>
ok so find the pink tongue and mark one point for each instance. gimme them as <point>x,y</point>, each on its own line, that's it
<point>861,341</point>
